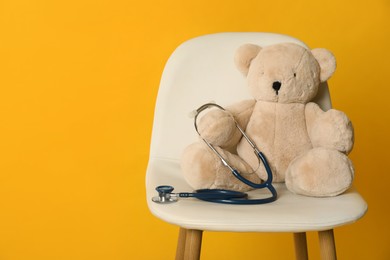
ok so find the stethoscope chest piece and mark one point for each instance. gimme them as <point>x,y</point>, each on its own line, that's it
<point>164,195</point>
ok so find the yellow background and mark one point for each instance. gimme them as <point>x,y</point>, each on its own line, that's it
<point>78,81</point>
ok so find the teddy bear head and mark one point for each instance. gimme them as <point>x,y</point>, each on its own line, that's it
<point>284,73</point>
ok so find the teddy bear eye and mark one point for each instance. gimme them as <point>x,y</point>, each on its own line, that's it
<point>295,75</point>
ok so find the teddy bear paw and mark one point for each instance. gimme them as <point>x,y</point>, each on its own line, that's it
<point>202,169</point>
<point>217,127</point>
<point>320,172</point>
<point>333,130</point>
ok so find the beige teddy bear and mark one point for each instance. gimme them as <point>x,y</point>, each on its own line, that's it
<point>306,147</point>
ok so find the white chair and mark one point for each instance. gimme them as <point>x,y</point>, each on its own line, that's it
<point>202,70</point>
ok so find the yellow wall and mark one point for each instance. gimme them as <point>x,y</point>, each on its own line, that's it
<point>78,81</point>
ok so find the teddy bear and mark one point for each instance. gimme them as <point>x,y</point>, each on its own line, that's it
<point>305,146</point>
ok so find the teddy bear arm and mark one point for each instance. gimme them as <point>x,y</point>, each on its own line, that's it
<point>218,126</point>
<point>312,112</point>
<point>331,129</point>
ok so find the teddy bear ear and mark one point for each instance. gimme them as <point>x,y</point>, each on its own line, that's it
<point>244,55</point>
<point>327,63</point>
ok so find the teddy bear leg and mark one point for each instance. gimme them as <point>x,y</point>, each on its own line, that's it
<point>320,172</point>
<point>203,169</point>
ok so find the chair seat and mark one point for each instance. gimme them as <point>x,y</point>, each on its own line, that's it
<point>289,213</point>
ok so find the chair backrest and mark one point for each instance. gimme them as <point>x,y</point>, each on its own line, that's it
<point>199,71</point>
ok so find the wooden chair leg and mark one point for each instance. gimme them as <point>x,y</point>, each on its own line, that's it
<point>193,244</point>
<point>181,244</point>
<point>327,245</point>
<point>300,243</point>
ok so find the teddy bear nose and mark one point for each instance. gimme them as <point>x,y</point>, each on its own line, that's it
<point>276,86</point>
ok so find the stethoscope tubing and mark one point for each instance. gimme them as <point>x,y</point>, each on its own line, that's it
<point>221,195</point>
<point>213,194</point>
<point>267,184</point>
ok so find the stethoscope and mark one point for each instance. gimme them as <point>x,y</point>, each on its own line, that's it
<point>166,195</point>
